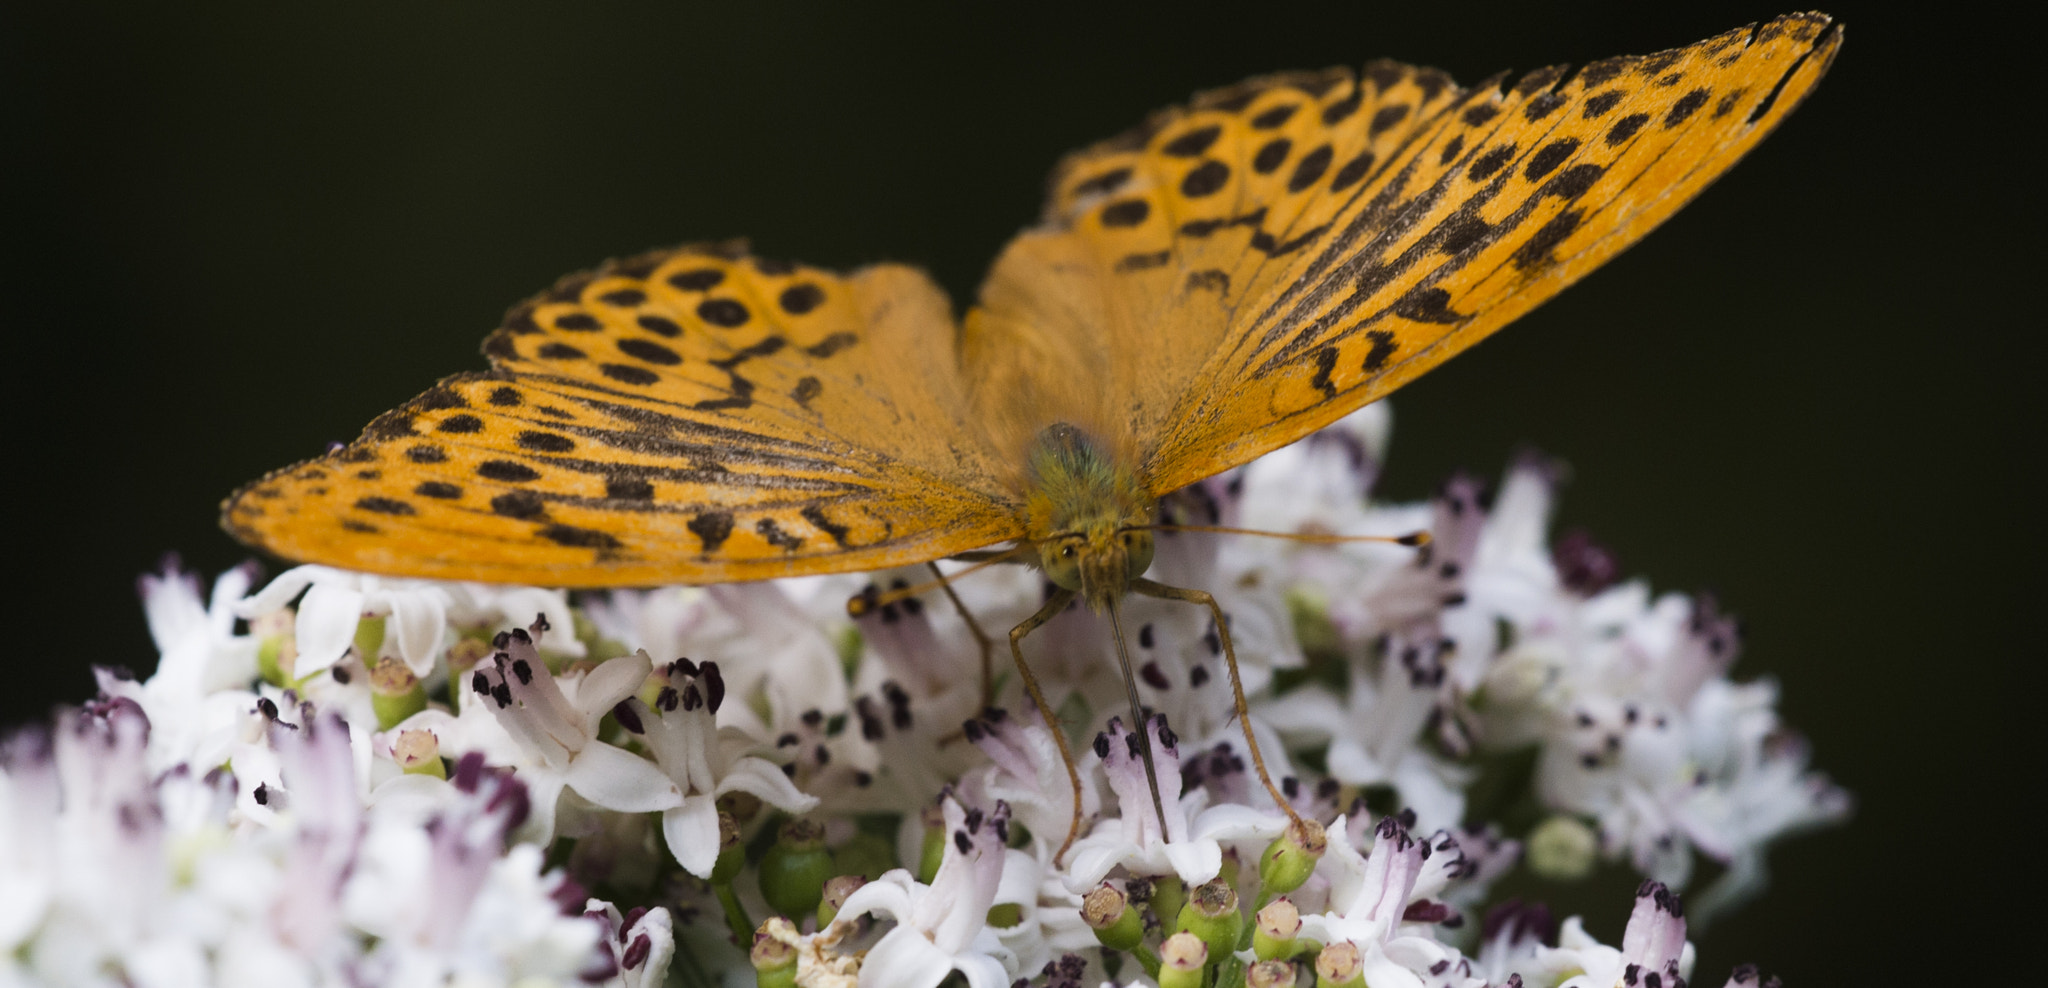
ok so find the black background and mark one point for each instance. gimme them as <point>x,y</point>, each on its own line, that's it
<point>240,232</point>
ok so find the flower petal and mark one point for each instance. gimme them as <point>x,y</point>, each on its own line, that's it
<point>890,895</point>
<point>692,834</point>
<point>603,687</point>
<point>905,959</point>
<point>326,625</point>
<point>760,777</point>
<point>618,780</point>
<point>421,621</point>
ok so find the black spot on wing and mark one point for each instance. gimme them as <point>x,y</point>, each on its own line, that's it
<point>831,344</point>
<point>775,536</point>
<point>507,472</point>
<point>518,504</point>
<point>1141,262</point>
<point>1382,349</point>
<point>1192,143</point>
<point>816,516</point>
<point>1685,107</point>
<point>384,506</point>
<point>712,528</point>
<point>1326,362</point>
<point>700,280</point>
<point>438,489</point>
<point>577,538</point>
<point>627,488</point>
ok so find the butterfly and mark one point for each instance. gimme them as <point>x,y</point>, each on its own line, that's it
<point>1226,278</point>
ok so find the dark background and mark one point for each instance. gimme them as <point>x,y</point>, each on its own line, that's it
<point>240,232</point>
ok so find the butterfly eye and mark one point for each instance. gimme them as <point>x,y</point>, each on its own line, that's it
<point>1066,552</point>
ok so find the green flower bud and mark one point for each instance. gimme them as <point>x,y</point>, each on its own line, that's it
<point>1563,849</point>
<point>277,649</point>
<point>1340,965</point>
<point>934,850</point>
<point>1292,857</point>
<point>866,855</point>
<point>395,693</point>
<point>795,869</point>
<point>1107,910</point>
<point>1270,974</point>
<point>732,853</point>
<point>1211,913</point>
<point>1275,930</point>
<point>369,639</point>
<point>1181,960</point>
<point>836,892</point>
<point>774,954</point>
<point>419,753</point>
<point>1168,895</point>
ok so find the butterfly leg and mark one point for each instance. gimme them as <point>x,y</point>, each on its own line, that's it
<point>981,638</point>
<point>1053,606</point>
<point>1244,715</point>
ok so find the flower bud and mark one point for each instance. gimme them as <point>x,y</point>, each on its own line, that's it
<point>934,849</point>
<point>835,895</point>
<point>1107,910</point>
<point>419,753</point>
<point>1181,960</point>
<point>277,649</point>
<point>795,869</point>
<point>1276,929</point>
<point>1563,848</point>
<point>395,693</point>
<point>1292,857</point>
<point>1169,893</point>
<point>1211,913</point>
<point>462,657</point>
<point>774,953</point>
<point>369,639</point>
<point>866,855</point>
<point>1270,974</point>
<point>732,853</point>
<point>1340,965</point>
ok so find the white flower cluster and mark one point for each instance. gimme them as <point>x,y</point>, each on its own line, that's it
<point>345,779</point>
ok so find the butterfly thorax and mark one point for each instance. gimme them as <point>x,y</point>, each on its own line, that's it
<point>1086,512</point>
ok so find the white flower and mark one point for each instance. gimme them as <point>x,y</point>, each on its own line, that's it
<point>640,942</point>
<point>1374,733</point>
<point>1653,945</point>
<point>199,693</point>
<point>418,613</point>
<point>1026,772</point>
<point>555,722</point>
<point>943,927</point>
<point>681,729</point>
<point>1379,903</point>
<point>1191,845</point>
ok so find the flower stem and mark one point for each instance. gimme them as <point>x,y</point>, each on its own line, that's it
<point>735,914</point>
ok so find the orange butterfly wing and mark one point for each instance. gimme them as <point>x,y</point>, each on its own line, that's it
<point>1274,256</point>
<point>686,416</point>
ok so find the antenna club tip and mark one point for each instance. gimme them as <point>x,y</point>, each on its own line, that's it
<point>859,605</point>
<point>1414,539</point>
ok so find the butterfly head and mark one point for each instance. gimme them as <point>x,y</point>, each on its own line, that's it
<point>1085,513</point>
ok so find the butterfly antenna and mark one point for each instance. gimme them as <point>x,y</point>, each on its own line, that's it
<point>1138,720</point>
<point>1411,539</point>
<point>860,605</point>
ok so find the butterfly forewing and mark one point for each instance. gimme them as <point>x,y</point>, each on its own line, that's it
<point>693,415</point>
<point>1287,250</point>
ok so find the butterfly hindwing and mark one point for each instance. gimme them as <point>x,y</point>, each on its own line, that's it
<point>686,416</point>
